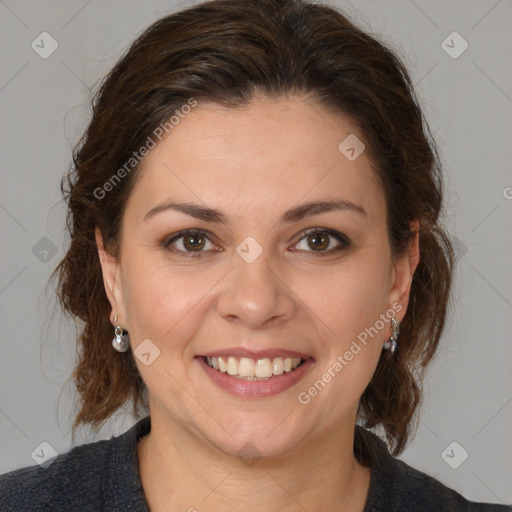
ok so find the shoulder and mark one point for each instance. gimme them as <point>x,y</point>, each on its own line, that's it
<point>70,481</point>
<point>102,475</point>
<point>396,486</point>
<point>421,492</point>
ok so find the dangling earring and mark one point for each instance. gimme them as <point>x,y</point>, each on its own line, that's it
<point>391,344</point>
<point>121,341</point>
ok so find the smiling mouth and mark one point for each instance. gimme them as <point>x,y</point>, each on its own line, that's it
<point>245,368</point>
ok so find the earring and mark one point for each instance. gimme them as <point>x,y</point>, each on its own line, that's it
<point>121,341</point>
<point>391,344</point>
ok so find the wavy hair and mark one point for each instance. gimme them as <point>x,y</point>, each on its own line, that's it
<point>225,51</point>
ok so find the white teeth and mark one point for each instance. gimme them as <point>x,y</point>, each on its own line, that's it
<point>246,368</point>
<point>249,369</point>
<point>232,366</point>
<point>278,366</point>
<point>263,368</point>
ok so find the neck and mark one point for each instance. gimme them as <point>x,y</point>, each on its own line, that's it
<point>180,471</point>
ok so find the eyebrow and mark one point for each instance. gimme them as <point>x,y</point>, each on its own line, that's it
<point>292,215</point>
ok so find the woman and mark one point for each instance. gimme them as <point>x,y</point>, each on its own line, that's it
<point>257,260</point>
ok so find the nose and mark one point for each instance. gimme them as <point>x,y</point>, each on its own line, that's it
<point>256,294</point>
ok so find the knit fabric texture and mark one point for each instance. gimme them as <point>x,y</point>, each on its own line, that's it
<point>104,476</point>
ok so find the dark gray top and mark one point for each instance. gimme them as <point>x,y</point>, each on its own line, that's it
<point>104,476</point>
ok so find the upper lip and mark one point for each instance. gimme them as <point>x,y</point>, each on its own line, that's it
<point>255,354</point>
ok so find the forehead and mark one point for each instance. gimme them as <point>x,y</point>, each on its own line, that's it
<point>256,158</point>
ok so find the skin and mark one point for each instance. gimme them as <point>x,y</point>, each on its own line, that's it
<point>253,164</point>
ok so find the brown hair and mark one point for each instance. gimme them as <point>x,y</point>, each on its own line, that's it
<point>225,51</point>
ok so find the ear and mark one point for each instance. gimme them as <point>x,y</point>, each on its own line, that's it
<point>403,272</point>
<point>111,271</point>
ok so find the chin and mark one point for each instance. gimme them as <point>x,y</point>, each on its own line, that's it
<point>253,448</point>
<point>246,438</point>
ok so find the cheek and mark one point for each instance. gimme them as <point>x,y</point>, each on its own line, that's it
<point>350,305</point>
<point>165,302</point>
<point>352,297</point>
<point>159,299</point>
<point>353,344</point>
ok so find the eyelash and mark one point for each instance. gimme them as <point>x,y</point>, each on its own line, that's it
<point>345,241</point>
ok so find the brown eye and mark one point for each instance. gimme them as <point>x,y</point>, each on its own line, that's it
<point>318,240</point>
<point>193,242</point>
<point>189,243</point>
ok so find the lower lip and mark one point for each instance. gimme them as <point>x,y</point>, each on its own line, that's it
<point>255,388</point>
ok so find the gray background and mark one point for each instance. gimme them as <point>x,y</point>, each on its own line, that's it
<point>468,103</point>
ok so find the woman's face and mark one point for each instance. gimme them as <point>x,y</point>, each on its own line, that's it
<point>257,285</point>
